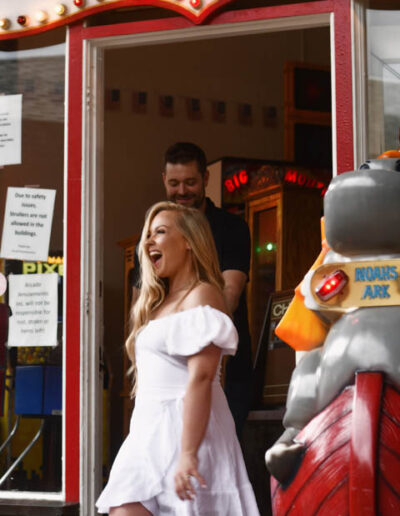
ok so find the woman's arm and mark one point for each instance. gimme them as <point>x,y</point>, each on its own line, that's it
<point>196,412</point>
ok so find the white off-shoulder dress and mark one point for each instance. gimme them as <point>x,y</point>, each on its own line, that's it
<point>144,468</point>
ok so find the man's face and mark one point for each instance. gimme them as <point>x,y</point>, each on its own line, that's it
<point>185,185</point>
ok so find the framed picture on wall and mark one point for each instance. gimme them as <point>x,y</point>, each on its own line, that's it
<point>112,99</point>
<point>218,111</point>
<point>139,102</point>
<point>193,109</point>
<point>166,105</point>
<point>245,113</point>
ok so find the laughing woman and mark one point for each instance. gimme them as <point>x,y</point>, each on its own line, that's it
<point>181,456</point>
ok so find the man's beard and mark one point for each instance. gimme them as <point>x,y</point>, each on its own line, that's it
<point>192,201</point>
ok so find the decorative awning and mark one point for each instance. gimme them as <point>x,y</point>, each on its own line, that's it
<point>24,17</point>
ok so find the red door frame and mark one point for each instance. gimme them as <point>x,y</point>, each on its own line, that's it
<point>78,34</point>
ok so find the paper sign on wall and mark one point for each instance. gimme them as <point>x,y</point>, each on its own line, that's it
<point>33,300</point>
<point>27,224</point>
<point>10,129</point>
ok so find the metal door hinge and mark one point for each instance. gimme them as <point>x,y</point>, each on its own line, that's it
<point>89,98</point>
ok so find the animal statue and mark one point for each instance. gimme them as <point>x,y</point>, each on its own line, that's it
<point>336,454</point>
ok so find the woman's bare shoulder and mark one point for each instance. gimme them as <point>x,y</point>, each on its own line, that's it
<point>205,294</point>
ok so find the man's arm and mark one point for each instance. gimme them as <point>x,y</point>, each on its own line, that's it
<point>235,282</point>
<point>236,260</point>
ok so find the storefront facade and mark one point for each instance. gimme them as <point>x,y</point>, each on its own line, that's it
<point>67,61</point>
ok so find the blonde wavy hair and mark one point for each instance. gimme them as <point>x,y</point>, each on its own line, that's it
<point>194,227</point>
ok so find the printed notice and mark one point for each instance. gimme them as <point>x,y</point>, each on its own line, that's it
<point>10,129</point>
<point>33,301</point>
<point>27,224</point>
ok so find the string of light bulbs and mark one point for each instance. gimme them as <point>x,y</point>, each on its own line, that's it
<point>42,16</point>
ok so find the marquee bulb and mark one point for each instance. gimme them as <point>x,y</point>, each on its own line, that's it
<point>60,9</point>
<point>22,20</point>
<point>79,3</point>
<point>41,16</point>
<point>4,23</point>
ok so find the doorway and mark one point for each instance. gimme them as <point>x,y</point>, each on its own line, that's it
<point>119,184</point>
<point>224,94</point>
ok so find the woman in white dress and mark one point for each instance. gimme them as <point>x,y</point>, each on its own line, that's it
<point>181,456</point>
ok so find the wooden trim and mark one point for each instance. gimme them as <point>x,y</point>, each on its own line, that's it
<point>289,90</point>
<point>292,115</point>
<point>260,203</point>
<point>315,117</point>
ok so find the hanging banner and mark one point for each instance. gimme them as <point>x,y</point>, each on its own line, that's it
<point>10,129</point>
<point>27,224</point>
<point>33,302</point>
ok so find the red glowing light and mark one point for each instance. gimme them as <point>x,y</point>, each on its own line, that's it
<point>332,285</point>
<point>236,181</point>
<point>243,177</point>
<point>229,185</point>
<point>297,178</point>
<point>195,3</point>
<point>79,3</point>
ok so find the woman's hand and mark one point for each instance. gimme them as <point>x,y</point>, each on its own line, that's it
<point>187,468</point>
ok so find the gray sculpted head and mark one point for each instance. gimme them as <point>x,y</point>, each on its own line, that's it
<point>361,209</point>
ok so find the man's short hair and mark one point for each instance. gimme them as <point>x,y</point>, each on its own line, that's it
<point>185,152</point>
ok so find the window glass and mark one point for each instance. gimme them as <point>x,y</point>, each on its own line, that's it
<point>383,62</point>
<point>32,72</point>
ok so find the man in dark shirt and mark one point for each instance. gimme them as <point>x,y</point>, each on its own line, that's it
<point>185,178</point>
